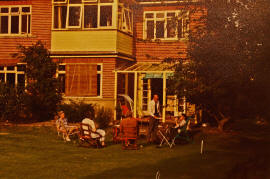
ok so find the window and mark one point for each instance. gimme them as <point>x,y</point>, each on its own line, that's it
<point>13,75</point>
<point>80,79</point>
<point>82,14</point>
<point>15,20</point>
<point>125,19</point>
<point>169,25</point>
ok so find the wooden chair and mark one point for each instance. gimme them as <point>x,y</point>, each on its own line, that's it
<point>66,131</point>
<point>129,133</point>
<point>85,136</point>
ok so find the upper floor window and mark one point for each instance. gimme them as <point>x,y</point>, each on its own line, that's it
<point>15,20</point>
<point>166,25</point>
<point>84,14</point>
<point>125,18</point>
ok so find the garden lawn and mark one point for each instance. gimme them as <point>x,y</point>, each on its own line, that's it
<point>37,152</point>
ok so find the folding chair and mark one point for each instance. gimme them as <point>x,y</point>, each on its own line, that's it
<point>164,133</point>
<point>85,136</point>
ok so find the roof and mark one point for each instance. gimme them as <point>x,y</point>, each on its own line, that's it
<point>145,67</point>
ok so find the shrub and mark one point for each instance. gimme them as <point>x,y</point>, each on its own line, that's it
<point>103,117</point>
<point>10,102</point>
<point>75,112</point>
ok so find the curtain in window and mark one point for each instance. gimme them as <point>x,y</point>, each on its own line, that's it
<point>81,80</point>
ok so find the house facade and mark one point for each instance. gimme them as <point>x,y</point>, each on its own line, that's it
<point>104,47</point>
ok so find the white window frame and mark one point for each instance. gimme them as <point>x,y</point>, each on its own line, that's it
<point>100,72</point>
<point>165,19</point>
<point>80,21</point>
<point>124,26</point>
<point>20,13</point>
<point>5,72</point>
<point>84,2</point>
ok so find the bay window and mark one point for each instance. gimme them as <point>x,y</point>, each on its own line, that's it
<point>82,14</point>
<point>166,25</point>
<point>125,18</point>
<point>15,20</point>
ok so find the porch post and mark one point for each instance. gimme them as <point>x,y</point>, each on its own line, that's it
<point>135,94</point>
<point>126,83</point>
<point>115,95</point>
<point>164,98</point>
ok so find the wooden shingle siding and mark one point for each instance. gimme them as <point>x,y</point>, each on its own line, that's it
<point>41,20</point>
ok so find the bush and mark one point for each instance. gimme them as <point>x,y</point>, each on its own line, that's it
<point>103,117</point>
<point>75,112</point>
<point>10,102</point>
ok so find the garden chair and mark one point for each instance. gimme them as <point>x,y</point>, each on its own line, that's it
<point>66,131</point>
<point>85,136</point>
<point>129,133</point>
<point>184,134</point>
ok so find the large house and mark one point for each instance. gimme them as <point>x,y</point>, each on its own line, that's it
<point>104,47</point>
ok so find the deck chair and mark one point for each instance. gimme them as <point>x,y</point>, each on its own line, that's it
<point>85,136</point>
<point>129,134</point>
<point>184,134</point>
<point>66,131</point>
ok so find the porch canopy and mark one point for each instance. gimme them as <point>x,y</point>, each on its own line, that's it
<point>149,71</point>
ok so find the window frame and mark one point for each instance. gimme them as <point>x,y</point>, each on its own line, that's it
<point>124,26</point>
<point>100,72</point>
<point>20,13</point>
<point>5,71</point>
<point>166,18</point>
<point>82,4</point>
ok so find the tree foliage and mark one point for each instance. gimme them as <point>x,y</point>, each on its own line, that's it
<point>42,95</point>
<point>227,70</point>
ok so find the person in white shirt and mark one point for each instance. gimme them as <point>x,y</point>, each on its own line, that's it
<point>154,112</point>
<point>92,124</point>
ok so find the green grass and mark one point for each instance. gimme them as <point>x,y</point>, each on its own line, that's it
<point>37,152</point>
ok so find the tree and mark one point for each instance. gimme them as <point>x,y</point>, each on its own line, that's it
<point>226,72</point>
<point>42,95</point>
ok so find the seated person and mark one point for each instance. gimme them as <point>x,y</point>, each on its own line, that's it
<point>92,124</point>
<point>180,121</point>
<point>62,125</point>
<point>132,124</point>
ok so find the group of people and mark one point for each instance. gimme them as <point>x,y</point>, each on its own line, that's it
<point>62,125</point>
<point>154,116</point>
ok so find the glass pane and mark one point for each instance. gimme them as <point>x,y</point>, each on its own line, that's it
<point>1,67</point>
<point>59,0</point>
<point>60,16</point>
<point>160,15</point>
<point>15,9</point>
<point>20,67</point>
<point>179,28</point>
<point>26,9</point>
<point>62,68</point>
<point>62,80</point>
<point>4,24</point>
<point>106,1</point>
<point>24,23</point>
<point>21,80</point>
<point>171,28</point>
<point>4,10</point>
<point>14,24</point>
<point>75,1</point>
<point>149,15</point>
<point>98,67</point>
<point>2,77</point>
<point>74,16</point>
<point>160,29</point>
<point>127,19</point>
<point>29,24</point>
<point>105,15</point>
<point>98,84</point>
<point>150,29</point>
<point>90,16</point>
<point>10,68</point>
<point>11,78</point>
<point>170,14</point>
